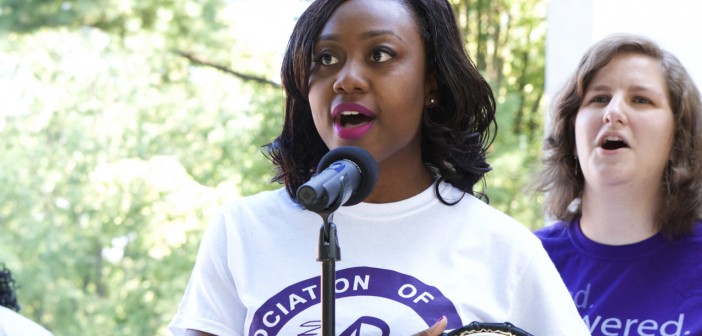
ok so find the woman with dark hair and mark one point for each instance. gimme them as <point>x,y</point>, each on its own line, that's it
<point>11,322</point>
<point>421,251</point>
<point>623,177</point>
<point>8,297</point>
<point>456,119</point>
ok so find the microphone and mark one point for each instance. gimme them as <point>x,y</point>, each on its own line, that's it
<point>345,176</point>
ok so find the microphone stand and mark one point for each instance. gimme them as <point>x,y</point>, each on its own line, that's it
<point>328,254</point>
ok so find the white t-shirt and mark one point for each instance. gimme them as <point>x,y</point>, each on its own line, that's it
<point>403,265</point>
<point>14,324</point>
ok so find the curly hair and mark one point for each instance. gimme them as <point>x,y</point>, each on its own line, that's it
<point>561,178</point>
<point>456,131</point>
<point>8,297</point>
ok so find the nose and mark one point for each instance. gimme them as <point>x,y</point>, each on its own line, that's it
<point>614,112</point>
<point>351,79</point>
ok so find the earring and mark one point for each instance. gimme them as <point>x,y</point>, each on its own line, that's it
<point>432,101</point>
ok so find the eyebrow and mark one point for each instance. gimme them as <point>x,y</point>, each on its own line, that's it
<point>364,35</point>
<point>635,88</point>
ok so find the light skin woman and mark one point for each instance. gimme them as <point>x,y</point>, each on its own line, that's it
<point>623,178</point>
<point>624,142</point>
<point>624,138</point>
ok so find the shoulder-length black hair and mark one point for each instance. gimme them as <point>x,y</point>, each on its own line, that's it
<point>456,131</point>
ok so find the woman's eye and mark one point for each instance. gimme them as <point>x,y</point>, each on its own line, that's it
<point>327,59</point>
<point>381,56</point>
<point>642,100</point>
<point>600,99</point>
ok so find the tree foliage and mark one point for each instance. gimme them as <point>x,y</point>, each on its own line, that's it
<point>123,123</point>
<point>506,39</point>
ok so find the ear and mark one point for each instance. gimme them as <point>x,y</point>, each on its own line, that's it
<point>674,155</point>
<point>431,89</point>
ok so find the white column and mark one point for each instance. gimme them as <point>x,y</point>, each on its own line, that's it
<point>574,25</point>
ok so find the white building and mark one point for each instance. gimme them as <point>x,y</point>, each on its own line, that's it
<point>574,25</point>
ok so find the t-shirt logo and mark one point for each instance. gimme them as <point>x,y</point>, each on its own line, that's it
<point>373,293</point>
<point>610,322</point>
<point>366,322</point>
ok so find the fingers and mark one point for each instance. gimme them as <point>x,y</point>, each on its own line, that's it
<point>436,330</point>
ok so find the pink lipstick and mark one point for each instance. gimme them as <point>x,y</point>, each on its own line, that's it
<point>352,121</point>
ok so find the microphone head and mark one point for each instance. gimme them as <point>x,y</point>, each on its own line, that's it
<point>365,163</point>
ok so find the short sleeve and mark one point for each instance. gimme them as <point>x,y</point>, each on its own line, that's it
<point>211,302</point>
<point>543,301</point>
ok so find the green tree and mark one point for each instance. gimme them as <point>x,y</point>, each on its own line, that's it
<point>506,39</point>
<point>124,123</point>
<point>116,148</point>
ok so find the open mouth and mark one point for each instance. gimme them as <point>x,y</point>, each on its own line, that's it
<point>353,119</point>
<point>613,143</point>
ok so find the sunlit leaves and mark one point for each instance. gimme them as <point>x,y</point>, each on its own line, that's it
<point>506,38</point>
<point>115,152</point>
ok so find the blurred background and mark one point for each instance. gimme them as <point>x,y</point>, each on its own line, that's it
<point>124,123</point>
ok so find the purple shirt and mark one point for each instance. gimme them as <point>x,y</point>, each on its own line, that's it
<point>653,287</point>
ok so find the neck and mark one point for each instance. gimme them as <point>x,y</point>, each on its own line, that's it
<point>400,183</point>
<point>619,215</point>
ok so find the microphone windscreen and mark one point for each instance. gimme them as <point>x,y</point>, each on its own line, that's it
<point>365,163</point>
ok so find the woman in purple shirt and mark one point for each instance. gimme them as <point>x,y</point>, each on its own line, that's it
<point>623,178</point>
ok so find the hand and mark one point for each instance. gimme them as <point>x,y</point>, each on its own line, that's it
<point>436,330</point>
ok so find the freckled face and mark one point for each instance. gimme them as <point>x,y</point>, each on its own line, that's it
<point>368,83</point>
<point>624,127</point>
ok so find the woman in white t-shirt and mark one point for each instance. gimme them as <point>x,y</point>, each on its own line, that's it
<point>421,250</point>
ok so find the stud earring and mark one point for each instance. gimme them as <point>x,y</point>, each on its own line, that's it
<point>432,101</point>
